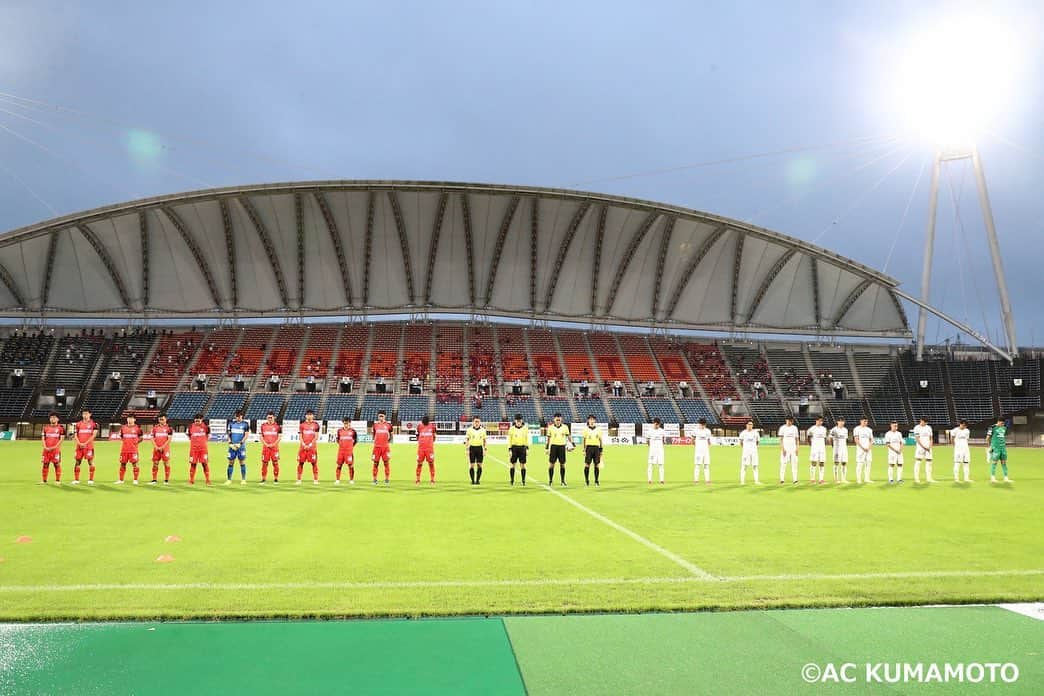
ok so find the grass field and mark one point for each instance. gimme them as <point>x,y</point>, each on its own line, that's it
<point>253,551</point>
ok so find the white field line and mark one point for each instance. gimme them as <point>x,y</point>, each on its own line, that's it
<point>691,568</point>
<point>536,582</point>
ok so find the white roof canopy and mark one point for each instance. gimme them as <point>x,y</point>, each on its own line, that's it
<point>376,247</point>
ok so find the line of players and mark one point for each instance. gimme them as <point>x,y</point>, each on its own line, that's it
<point>558,443</point>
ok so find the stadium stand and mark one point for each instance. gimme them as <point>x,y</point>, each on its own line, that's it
<point>281,359</point>
<point>558,404</point>
<point>974,410</point>
<point>750,366</point>
<point>412,408</point>
<point>184,405</point>
<point>27,352</point>
<point>299,403</point>
<point>416,355</point>
<point>13,402</point>
<point>933,409</point>
<point>575,357</point>
<point>449,411</point>
<point>594,407</point>
<point>105,405</point>
<point>513,359</point>
<point>170,360</point>
<point>340,407</point>
<point>608,359</point>
<point>792,375</point>
<point>318,354</point>
<point>449,363</point>
<point>384,357</point>
<point>849,409</point>
<point>1026,370</point>
<point>930,371</point>
<point>75,358</point>
<point>351,354</point>
<point>373,403</point>
<point>879,373</point>
<point>672,364</point>
<point>626,410</point>
<point>711,371</point>
<point>524,405</point>
<point>662,409</point>
<point>969,377</point>
<point>226,404</point>
<point>694,409</point>
<point>884,411</point>
<point>769,413</point>
<point>482,357</point>
<point>261,404</point>
<point>489,412</point>
<point>213,354</point>
<point>544,355</point>
<point>639,360</point>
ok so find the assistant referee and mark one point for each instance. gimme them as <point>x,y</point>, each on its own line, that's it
<point>557,438</point>
<point>518,441</point>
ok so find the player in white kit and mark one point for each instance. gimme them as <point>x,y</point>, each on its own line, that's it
<point>923,439</point>
<point>788,449</point>
<point>655,437</point>
<point>893,440</point>
<point>749,438</point>
<point>839,438</point>
<point>864,442</point>
<point>817,436</point>
<point>701,439</point>
<point>961,452</point>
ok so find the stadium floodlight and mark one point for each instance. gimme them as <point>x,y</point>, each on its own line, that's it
<point>955,77</point>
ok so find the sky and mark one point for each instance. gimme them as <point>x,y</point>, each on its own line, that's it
<point>784,114</point>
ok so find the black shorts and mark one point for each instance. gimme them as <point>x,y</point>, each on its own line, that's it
<point>475,453</point>
<point>592,454</point>
<point>557,454</point>
<point>518,454</point>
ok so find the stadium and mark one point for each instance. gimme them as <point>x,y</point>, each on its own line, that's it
<point>299,393</point>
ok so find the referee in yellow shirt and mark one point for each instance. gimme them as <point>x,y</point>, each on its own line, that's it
<point>518,441</point>
<point>592,450</point>
<point>476,439</point>
<point>557,438</point>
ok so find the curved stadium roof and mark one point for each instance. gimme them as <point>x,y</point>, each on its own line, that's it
<point>380,247</point>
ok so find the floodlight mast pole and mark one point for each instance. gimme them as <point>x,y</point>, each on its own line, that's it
<point>941,156</point>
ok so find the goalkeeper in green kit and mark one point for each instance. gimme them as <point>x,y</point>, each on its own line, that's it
<point>997,442</point>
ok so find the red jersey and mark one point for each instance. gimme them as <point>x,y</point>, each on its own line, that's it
<point>270,434</point>
<point>161,436</point>
<point>199,436</point>
<point>131,436</point>
<point>84,430</point>
<point>381,434</point>
<point>52,435</point>
<point>346,440</point>
<point>426,437</point>
<point>309,432</point>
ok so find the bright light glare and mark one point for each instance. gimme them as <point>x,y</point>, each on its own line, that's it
<point>954,79</point>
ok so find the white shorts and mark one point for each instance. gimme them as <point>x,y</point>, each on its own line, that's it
<point>787,457</point>
<point>864,456</point>
<point>749,459</point>
<point>962,456</point>
<point>840,455</point>
<point>923,453</point>
<point>656,457</point>
<point>895,457</point>
<point>818,453</point>
<point>702,458</point>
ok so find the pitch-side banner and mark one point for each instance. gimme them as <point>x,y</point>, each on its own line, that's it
<point>332,426</point>
<point>626,430</point>
<point>291,430</point>
<point>218,429</point>
<point>579,428</point>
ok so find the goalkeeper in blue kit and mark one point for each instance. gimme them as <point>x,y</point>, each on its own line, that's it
<point>238,430</point>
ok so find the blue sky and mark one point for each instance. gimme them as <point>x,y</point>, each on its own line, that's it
<point>585,95</point>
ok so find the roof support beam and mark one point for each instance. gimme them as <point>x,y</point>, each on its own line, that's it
<point>335,239</point>
<point>661,261</point>
<point>737,263</point>
<point>766,283</point>
<point>814,264</point>
<point>690,268</point>
<point>12,287</point>
<point>201,260</point>
<point>632,247</point>
<point>498,249</point>
<point>404,242</point>
<point>849,301</point>
<point>143,229</point>
<point>299,219</point>
<point>52,252</point>
<point>469,246</point>
<point>371,204</point>
<point>534,240</point>
<point>230,249</point>
<point>599,238</point>
<point>433,249</point>
<point>266,242</point>
<point>106,260</point>
<point>563,250</point>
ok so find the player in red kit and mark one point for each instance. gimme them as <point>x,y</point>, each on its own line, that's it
<point>199,436</point>
<point>309,438</point>
<point>346,439</point>
<point>84,433</point>
<point>270,436</point>
<point>130,434</point>
<point>161,434</point>
<point>52,449</point>
<point>382,447</point>
<point>426,448</point>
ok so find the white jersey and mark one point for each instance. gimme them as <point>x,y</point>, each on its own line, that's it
<point>894,441</point>
<point>749,440</point>
<point>788,436</point>
<point>655,437</point>
<point>817,435</point>
<point>923,437</point>
<point>701,438</point>
<point>864,436</point>
<point>839,437</point>
<point>961,448</point>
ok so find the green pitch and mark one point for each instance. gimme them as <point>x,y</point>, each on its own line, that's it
<point>253,551</point>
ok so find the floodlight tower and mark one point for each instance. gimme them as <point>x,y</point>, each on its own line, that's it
<point>942,156</point>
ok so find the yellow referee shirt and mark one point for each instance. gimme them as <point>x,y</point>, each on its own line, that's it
<point>557,435</point>
<point>476,436</point>
<point>592,437</point>
<point>518,437</point>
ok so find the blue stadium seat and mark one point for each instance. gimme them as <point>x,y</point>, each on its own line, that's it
<point>695,409</point>
<point>626,410</point>
<point>261,404</point>
<point>299,403</point>
<point>372,403</point>
<point>413,408</point>
<point>490,411</point>
<point>184,405</point>
<point>226,404</point>
<point>340,407</point>
<point>593,407</point>
<point>662,409</point>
